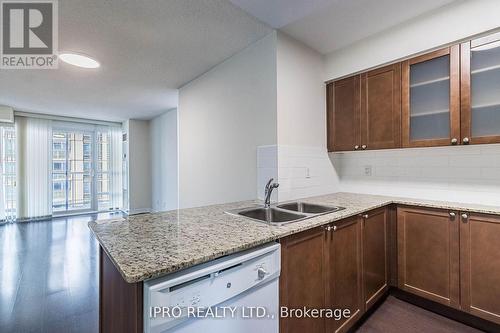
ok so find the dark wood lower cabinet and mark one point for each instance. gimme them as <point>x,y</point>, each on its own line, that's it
<point>428,254</point>
<point>344,289</point>
<point>375,255</point>
<point>448,257</point>
<point>392,238</point>
<point>303,279</point>
<point>321,269</point>
<point>120,303</point>
<point>480,265</point>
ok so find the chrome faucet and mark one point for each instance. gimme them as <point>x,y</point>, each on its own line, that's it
<point>270,186</point>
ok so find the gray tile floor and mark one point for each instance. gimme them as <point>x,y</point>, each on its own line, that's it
<point>49,276</point>
<point>396,316</point>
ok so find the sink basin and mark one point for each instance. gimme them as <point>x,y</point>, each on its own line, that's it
<point>284,213</point>
<point>308,208</point>
<point>270,215</point>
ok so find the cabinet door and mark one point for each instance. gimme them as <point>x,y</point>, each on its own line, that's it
<point>302,280</point>
<point>431,99</point>
<point>480,265</point>
<point>480,99</point>
<point>343,114</point>
<point>381,108</point>
<point>428,254</point>
<point>344,272</point>
<point>375,255</point>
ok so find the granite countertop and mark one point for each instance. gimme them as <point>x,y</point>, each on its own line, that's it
<point>151,245</point>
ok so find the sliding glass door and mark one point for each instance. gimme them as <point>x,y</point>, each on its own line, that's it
<point>82,170</point>
<point>72,171</point>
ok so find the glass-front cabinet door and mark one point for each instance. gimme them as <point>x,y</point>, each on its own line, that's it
<point>480,76</point>
<point>431,99</point>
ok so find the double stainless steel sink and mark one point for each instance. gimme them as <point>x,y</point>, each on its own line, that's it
<point>285,213</point>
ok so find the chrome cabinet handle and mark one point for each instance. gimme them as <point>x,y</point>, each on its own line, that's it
<point>465,141</point>
<point>365,216</point>
<point>465,217</point>
<point>452,215</point>
<point>363,147</point>
<point>356,147</point>
<point>329,228</point>
<point>454,141</point>
<point>334,228</point>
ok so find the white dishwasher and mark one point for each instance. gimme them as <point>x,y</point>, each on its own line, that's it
<point>237,293</point>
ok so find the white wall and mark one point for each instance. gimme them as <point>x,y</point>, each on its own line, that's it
<point>299,162</point>
<point>139,166</point>
<point>164,161</point>
<point>300,94</point>
<point>224,115</point>
<point>450,23</point>
<point>462,174</point>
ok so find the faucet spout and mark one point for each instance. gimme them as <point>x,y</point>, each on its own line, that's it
<point>270,186</point>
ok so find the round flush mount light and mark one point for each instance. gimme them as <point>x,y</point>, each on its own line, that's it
<point>79,60</point>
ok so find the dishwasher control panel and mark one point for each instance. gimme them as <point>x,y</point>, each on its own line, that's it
<point>208,285</point>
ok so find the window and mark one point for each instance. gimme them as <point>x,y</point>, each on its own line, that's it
<point>7,173</point>
<point>82,171</point>
<point>71,171</point>
<point>103,171</point>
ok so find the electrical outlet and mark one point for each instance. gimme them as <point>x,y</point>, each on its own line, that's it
<point>368,170</point>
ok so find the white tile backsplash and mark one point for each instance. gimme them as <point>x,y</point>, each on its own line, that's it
<point>301,171</point>
<point>463,173</point>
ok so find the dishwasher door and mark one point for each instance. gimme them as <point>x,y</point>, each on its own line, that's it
<point>237,293</point>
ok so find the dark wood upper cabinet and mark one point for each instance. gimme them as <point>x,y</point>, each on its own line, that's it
<point>431,99</point>
<point>381,108</point>
<point>445,97</point>
<point>303,279</point>
<point>480,84</point>
<point>480,265</point>
<point>428,254</point>
<point>344,287</point>
<point>375,255</point>
<point>343,114</point>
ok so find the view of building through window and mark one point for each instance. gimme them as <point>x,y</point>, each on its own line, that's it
<point>79,158</point>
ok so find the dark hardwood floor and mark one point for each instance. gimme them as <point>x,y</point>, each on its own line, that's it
<point>49,283</point>
<point>49,276</point>
<point>396,316</point>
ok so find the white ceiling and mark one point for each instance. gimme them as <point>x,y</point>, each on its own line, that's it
<point>147,49</point>
<point>328,25</point>
<point>278,13</point>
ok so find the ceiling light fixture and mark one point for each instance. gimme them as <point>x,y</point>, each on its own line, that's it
<point>79,60</point>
